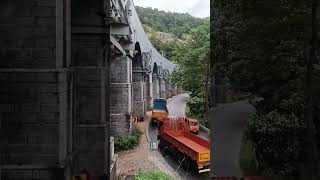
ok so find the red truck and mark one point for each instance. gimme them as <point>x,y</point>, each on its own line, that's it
<point>191,151</point>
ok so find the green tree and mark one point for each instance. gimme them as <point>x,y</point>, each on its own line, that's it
<point>192,56</point>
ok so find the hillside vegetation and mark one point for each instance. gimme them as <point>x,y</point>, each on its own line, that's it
<point>166,29</point>
<point>177,24</point>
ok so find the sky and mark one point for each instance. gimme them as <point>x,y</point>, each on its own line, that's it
<point>197,8</point>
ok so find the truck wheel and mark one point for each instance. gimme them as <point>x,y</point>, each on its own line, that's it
<point>153,124</point>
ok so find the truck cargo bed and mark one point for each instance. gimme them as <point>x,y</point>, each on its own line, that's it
<point>188,143</point>
<point>193,145</point>
<point>174,134</point>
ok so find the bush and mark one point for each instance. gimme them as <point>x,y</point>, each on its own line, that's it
<point>128,142</point>
<point>195,109</point>
<point>152,175</point>
<point>196,106</point>
<point>277,139</point>
<point>247,159</point>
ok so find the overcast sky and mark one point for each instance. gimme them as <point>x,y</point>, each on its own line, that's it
<point>198,8</point>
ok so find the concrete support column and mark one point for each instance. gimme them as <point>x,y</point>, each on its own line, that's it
<point>162,88</point>
<point>138,94</point>
<point>121,98</point>
<point>155,86</point>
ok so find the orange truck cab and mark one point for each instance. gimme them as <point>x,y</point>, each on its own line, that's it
<point>159,112</point>
<point>193,124</point>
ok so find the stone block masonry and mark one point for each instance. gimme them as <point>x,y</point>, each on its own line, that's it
<point>53,98</point>
<point>155,86</point>
<point>147,91</point>
<point>138,94</point>
<point>122,98</point>
<point>162,88</point>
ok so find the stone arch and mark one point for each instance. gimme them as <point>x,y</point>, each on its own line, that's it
<point>155,70</point>
<point>137,58</point>
<point>155,82</point>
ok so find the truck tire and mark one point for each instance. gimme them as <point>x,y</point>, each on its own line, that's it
<point>153,123</point>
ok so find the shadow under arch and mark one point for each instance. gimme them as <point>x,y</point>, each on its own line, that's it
<point>137,58</point>
<point>155,70</point>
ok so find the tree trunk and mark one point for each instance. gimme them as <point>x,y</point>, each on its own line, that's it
<point>311,151</point>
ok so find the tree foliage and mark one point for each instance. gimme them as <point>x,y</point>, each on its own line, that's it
<point>166,29</point>
<point>174,23</point>
<point>192,56</point>
<point>261,47</point>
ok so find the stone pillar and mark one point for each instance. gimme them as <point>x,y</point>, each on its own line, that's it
<point>35,92</point>
<point>162,88</point>
<point>155,86</point>
<point>174,90</point>
<point>148,91</point>
<point>121,98</point>
<point>168,90</point>
<point>138,93</point>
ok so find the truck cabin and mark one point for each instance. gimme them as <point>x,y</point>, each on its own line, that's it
<point>160,105</point>
<point>193,124</point>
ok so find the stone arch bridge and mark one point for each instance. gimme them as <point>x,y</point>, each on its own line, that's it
<point>145,68</point>
<point>64,90</point>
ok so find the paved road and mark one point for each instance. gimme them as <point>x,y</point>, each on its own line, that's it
<point>227,122</point>
<point>176,107</point>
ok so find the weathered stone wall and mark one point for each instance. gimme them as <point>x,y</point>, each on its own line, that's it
<point>121,99</point>
<point>89,66</point>
<point>28,36</point>
<point>162,88</point>
<point>45,98</point>
<point>138,94</point>
<point>168,90</point>
<point>33,95</point>
<point>148,91</point>
<point>155,86</point>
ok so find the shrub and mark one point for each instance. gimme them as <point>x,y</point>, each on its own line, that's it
<point>195,109</point>
<point>128,142</point>
<point>152,175</point>
<point>277,139</point>
<point>196,105</point>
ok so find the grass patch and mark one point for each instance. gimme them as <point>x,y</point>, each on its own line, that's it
<point>152,175</point>
<point>247,158</point>
<point>128,142</point>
